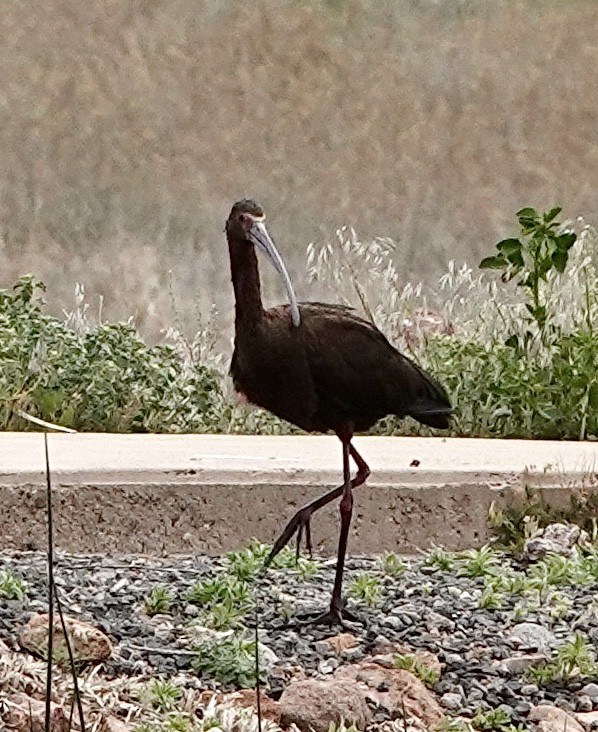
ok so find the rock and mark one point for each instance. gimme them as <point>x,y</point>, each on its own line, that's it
<point>553,719</point>
<point>589,720</point>
<point>554,539</point>
<point>584,704</point>
<point>383,646</point>
<point>245,698</point>
<point>387,660</point>
<point>3,647</point>
<point>22,713</point>
<point>114,724</point>
<point>529,689</point>
<point>517,665</point>
<point>532,635</point>
<point>327,666</point>
<point>88,643</point>
<point>314,704</point>
<point>395,689</point>
<point>451,701</point>
<point>341,642</point>
<point>590,690</point>
<point>267,656</point>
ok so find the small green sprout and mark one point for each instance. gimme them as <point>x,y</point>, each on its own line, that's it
<point>159,601</point>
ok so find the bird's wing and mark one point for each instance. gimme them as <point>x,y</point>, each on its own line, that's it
<point>353,365</point>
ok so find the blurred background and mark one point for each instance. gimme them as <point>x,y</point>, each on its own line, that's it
<point>129,127</point>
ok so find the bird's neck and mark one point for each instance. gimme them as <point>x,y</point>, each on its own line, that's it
<point>246,283</point>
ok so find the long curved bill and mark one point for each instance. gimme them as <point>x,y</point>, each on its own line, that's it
<point>260,237</point>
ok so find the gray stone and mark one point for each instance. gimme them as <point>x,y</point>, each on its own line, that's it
<point>554,539</point>
<point>529,689</point>
<point>451,701</point>
<point>532,635</point>
<point>584,704</point>
<point>517,665</point>
<point>590,690</point>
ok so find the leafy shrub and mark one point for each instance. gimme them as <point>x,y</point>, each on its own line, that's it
<point>102,378</point>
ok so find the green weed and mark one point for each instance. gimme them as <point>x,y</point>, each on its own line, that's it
<point>11,587</point>
<point>478,562</point>
<point>159,601</point>
<point>409,662</point>
<point>365,587</point>
<point>495,720</point>
<point>392,565</point>
<point>229,661</point>
<point>573,659</point>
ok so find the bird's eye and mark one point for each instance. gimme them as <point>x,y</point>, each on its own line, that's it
<point>243,218</point>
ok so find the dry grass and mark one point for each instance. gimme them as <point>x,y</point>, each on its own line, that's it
<point>129,128</point>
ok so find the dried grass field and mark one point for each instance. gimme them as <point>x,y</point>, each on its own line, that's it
<point>128,128</point>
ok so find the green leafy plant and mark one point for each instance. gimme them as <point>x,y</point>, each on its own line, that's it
<point>246,563</point>
<point>573,659</point>
<point>542,247</point>
<point>439,558</point>
<point>365,587</point>
<point>410,662</point>
<point>495,719</point>
<point>163,694</point>
<point>478,562</point>
<point>224,588</point>
<point>392,565</point>
<point>159,601</point>
<point>223,616</point>
<point>11,587</point>
<point>453,724</point>
<point>229,661</point>
<point>97,378</point>
<point>490,599</point>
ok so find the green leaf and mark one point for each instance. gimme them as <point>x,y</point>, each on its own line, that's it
<point>527,213</point>
<point>552,214</point>
<point>508,246</point>
<point>516,259</point>
<point>565,241</point>
<point>497,262</point>
<point>559,260</point>
<point>593,395</point>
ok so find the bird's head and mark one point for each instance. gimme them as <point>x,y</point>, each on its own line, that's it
<point>245,223</point>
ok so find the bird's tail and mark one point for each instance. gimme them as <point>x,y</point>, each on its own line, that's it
<point>431,405</point>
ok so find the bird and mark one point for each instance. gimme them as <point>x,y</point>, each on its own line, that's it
<point>321,367</point>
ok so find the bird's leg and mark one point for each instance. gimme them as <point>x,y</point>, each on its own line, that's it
<point>346,509</point>
<point>301,520</point>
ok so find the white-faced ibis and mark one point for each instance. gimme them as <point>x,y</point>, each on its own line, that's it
<point>320,367</point>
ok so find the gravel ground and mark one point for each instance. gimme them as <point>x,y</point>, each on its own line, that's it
<point>424,608</point>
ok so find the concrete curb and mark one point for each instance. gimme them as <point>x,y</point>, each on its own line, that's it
<point>166,494</point>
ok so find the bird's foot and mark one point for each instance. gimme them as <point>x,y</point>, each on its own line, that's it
<point>337,614</point>
<point>298,524</point>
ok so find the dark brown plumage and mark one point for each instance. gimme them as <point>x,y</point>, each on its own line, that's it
<point>320,367</point>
